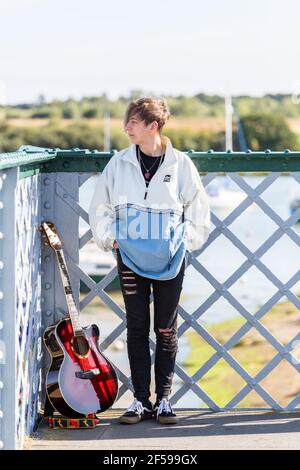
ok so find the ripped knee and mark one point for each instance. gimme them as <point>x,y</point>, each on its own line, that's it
<point>168,339</point>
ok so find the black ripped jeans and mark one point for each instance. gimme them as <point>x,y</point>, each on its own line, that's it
<point>136,294</point>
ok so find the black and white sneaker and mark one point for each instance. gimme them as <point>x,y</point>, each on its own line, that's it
<point>164,413</point>
<point>136,412</point>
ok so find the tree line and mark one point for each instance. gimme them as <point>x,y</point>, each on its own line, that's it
<point>263,122</point>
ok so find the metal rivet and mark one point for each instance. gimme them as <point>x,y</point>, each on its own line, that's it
<point>65,195</point>
<point>47,181</point>
<point>47,205</point>
<point>48,313</point>
<point>66,164</point>
<point>47,285</point>
<point>47,258</point>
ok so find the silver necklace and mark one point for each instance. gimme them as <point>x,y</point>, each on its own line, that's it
<point>147,174</point>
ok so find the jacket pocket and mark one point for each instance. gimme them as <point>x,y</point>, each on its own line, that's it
<point>177,238</point>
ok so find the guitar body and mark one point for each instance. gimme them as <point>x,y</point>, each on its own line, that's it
<point>80,379</point>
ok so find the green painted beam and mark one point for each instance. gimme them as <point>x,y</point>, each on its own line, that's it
<point>32,160</point>
<point>205,161</point>
<point>267,161</point>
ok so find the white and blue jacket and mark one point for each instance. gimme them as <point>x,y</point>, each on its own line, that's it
<point>153,230</point>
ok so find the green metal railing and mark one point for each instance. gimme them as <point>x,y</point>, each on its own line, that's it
<point>33,160</point>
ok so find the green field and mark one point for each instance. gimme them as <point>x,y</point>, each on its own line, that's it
<point>252,352</point>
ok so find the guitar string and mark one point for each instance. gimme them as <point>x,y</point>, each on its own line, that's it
<point>64,270</point>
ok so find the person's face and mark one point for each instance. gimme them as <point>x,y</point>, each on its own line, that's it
<point>138,132</point>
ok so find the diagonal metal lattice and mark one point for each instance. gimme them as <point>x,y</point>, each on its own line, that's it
<point>220,290</point>
<point>284,352</point>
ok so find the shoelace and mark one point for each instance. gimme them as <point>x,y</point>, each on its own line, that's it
<point>136,406</point>
<point>164,406</point>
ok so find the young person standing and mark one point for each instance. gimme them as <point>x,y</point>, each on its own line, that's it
<point>150,207</point>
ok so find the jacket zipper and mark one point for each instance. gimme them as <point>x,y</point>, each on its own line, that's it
<point>140,172</point>
<point>147,188</point>
<point>145,197</point>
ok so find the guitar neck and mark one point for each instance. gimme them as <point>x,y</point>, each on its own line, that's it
<point>73,312</point>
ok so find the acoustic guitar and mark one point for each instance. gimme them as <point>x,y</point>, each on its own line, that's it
<point>80,379</point>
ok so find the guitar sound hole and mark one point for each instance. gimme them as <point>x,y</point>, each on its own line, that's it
<point>80,345</point>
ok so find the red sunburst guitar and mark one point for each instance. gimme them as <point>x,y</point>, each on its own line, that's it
<point>80,379</point>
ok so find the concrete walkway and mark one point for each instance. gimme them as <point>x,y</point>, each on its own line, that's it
<point>195,430</point>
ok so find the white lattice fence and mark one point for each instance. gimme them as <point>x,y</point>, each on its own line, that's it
<point>30,281</point>
<point>219,289</point>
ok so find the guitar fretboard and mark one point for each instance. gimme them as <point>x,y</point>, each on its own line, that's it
<point>73,312</point>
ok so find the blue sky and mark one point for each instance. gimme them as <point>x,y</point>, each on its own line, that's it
<point>72,48</point>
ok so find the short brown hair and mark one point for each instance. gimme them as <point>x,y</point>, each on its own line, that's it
<point>149,109</point>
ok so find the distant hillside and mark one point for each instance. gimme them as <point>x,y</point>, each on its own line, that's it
<point>271,121</point>
<point>200,105</point>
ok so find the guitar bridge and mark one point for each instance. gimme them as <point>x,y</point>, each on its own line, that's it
<point>87,374</point>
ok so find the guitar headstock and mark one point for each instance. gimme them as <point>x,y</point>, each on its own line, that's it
<point>49,233</point>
